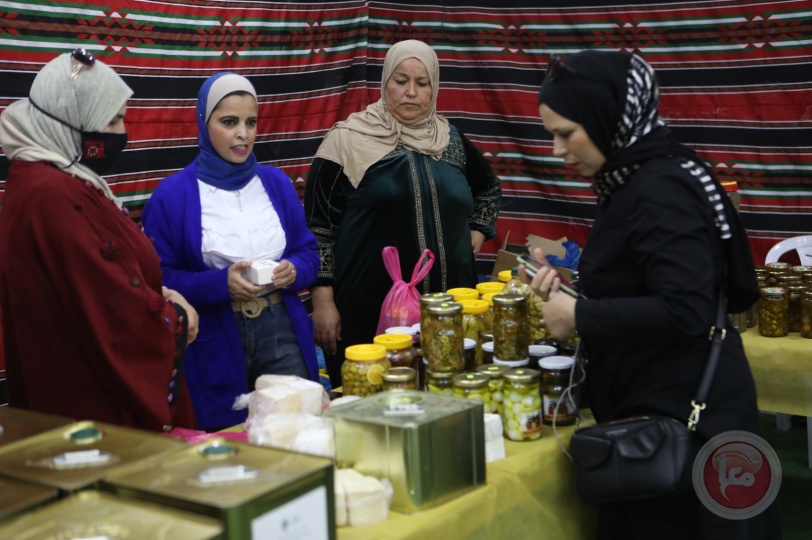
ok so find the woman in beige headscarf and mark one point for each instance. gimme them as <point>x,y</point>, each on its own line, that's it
<point>397,174</point>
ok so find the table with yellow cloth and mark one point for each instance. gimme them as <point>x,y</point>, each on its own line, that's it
<point>529,494</point>
<point>782,369</point>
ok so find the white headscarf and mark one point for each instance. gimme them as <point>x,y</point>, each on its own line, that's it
<point>366,137</point>
<point>89,102</point>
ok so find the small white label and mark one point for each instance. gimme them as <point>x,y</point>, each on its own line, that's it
<point>404,409</point>
<point>303,518</point>
<point>84,457</point>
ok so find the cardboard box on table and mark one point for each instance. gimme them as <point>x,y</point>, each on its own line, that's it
<point>506,257</point>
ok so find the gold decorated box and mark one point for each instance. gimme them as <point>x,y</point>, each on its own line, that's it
<point>17,497</point>
<point>257,492</point>
<point>78,455</point>
<point>430,447</point>
<point>96,515</point>
<point>16,424</point>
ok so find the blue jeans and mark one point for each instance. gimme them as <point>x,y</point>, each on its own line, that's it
<point>270,345</point>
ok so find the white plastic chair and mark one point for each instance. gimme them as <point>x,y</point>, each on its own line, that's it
<point>801,244</point>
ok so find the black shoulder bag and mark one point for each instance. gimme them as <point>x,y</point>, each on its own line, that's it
<point>642,457</point>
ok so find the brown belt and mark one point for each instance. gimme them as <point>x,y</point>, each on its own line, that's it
<point>253,308</point>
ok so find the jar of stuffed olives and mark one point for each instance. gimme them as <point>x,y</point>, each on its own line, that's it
<point>399,350</point>
<point>521,408</point>
<point>363,369</point>
<point>400,378</point>
<point>496,384</point>
<point>806,314</point>
<point>443,329</point>
<point>773,312</point>
<point>473,386</point>
<point>425,301</point>
<point>474,324</point>
<point>511,332</point>
<point>441,382</point>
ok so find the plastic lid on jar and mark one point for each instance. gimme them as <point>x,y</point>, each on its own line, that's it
<point>488,346</point>
<point>365,352</point>
<point>471,380</point>
<point>408,330</point>
<point>394,342</point>
<point>540,351</point>
<point>486,287</point>
<point>468,343</point>
<point>475,306</point>
<point>488,297</point>
<point>556,362</point>
<point>430,298</point>
<point>505,275</point>
<point>463,293</point>
<point>416,327</point>
<point>512,363</point>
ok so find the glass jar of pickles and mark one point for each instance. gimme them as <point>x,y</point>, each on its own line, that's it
<point>496,385</point>
<point>794,293</point>
<point>521,408</point>
<point>474,324</point>
<point>805,272</point>
<point>399,350</point>
<point>773,312</point>
<point>806,314</point>
<point>555,377</point>
<point>441,382</point>
<point>473,386</point>
<point>511,336</point>
<point>400,378</point>
<point>775,271</point>
<point>443,329</point>
<point>363,369</point>
<point>425,301</point>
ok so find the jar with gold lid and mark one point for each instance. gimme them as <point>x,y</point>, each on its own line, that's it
<point>363,369</point>
<point>775,270</point>
<point>444,331</point>
<point>805,272</point>
<point>794,294</point>
<point>496,384</point>
<point>511,335</point>
<point>441,382</point>
<point>425,301</point>
<point>521,408</point>
<point>473,386</point>
<point>806,314</point>
<point>399,350</point>
<point>400,378</point>
<point>773,312</point>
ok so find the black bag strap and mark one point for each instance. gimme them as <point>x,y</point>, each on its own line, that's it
<point>717,336</point>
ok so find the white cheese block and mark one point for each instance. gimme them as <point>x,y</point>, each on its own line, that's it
<point>318,440</point>
<point>365,498</point>
<point>274,399</point>
<point>493,426</point>
<point>494,450</point>
<point>298,432</point>
<point>261,272</point>
<point>311,394</point>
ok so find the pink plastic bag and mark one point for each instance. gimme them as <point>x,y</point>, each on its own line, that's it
<point>401,307</point>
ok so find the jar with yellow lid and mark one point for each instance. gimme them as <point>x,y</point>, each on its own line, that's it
<point>473,386</point>
<point>521,408</point>
<point>443,329</point>
<point>399,350</point>
<point>510,329</point>
<point>441,383</point>
<point>496,385</point>
<point>474,324</point>
<point>487,287</point>
<point>505,275</point>
<point>363,369</point>
<point>773,312</point>
<point>463,293</point>
<point>806,314</point>
<point>400,378</point>
<point>427,300</point>
<point>794,294</point>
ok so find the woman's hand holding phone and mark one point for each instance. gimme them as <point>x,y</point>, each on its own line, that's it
<point>533,265</point>
<point>558,309</point>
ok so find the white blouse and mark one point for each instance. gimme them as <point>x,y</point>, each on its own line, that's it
<point>239,225</point>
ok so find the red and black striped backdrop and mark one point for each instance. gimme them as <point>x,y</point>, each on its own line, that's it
<point>736,80</point>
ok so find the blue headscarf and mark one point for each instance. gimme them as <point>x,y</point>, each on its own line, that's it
<point>211,168</point>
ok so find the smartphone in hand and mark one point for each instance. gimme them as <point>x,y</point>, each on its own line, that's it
<point>533,265</point>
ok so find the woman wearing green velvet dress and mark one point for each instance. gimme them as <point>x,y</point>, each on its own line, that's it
<point>396,174</point>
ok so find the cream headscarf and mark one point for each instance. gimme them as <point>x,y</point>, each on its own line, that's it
<point>90,102</point>
<point>366,137</point>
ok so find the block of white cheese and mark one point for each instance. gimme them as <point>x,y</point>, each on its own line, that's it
<point>297,432</point>
<point>261,272</point>
<point>494,440</point>
<point>360,500</point>
<point>286,393</point>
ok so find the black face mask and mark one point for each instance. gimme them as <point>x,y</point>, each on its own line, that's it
<point>100,150</point>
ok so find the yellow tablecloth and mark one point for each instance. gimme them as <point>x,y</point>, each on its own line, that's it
<point>782,368</point>
<point>529,494</point>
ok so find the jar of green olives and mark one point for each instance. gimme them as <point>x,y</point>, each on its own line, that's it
<point>441,382</point>
<point>473,386</point>
<point>363,369</point>
<point>521,408</point>
<point>399,350</point>
<point>474,325</point>
<point>511,332</point>
<point>425,301</point>
<point>400,378</point>
<point>443,329</point>
<point>496,385</point>
<point>806,314</point>
<point>773,312</point>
